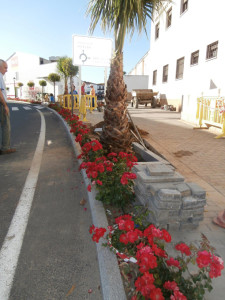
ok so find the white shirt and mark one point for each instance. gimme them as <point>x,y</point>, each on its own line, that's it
<point>3,87</point>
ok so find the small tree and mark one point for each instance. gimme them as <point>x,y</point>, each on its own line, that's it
<point>30,84</point>
<point>20,84</point>
<point>42,84</point>
<point>31,93</point>
<point>54,77</point>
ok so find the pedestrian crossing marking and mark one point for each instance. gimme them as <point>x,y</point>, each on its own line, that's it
<point>27,108</point>
<point>39,107</point>
<point>15,108</point>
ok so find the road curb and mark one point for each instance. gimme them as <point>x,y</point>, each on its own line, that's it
<point>111,281</point>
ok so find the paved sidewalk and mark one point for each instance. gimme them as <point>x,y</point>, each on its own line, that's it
<point>199,157</point>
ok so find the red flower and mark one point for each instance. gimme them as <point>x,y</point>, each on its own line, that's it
<point>112,154</point>
<point>129,225</point>
<point>99,182</point>
<point>156,294</point>
<point>133,235</point>
<point>173,262</point>
<point>146,260</point>
<point>166,236</point>
<point>89,188</point>
<point>98,233</point>
<point>171,285</point>
<point>178,296</point>
<point>124,239</point>
<point>203,259</point>
<point>144,284</point>
<point>158,251</point>
<point>78,138</point>
<point>124,180</point>
<point>216,267</point>
<point>91,229</point>
<point>183,248</point>
<point>94,174</point>
<point>123,217</point>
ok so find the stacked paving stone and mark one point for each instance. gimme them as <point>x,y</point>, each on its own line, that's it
<point>173,203</point>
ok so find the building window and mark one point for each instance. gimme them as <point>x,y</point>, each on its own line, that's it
<point>184,6</point>
<point>154,77</point>
<point>157,31</point>
<point>165,73</point>
<point>212,50</point>
<point>194,57</point>
<point>180,68</point>
<point>169,18</point>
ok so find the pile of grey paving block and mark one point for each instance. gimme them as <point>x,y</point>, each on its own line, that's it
<point>173,203</point>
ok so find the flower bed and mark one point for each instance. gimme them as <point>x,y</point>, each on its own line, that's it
<point>148,269</point>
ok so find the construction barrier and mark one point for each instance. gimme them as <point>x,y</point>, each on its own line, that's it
<point>211,112</point>
<point>87,102</point>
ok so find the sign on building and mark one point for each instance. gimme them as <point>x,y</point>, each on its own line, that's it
<point>91,51</point>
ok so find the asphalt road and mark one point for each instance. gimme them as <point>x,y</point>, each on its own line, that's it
<point>57,259</point>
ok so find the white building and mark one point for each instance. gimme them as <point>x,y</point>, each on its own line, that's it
<point>187,53</point>
<point>24,67</point>
<point>142,67</point>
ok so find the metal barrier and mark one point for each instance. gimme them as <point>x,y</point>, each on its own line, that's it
<point>66,101</point>
<point>210,112</point>
<point>90,101</point>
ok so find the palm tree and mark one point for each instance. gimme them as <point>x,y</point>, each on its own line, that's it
<point>54,77</point>
<point>70,70</point>
<point>61,69</point>
<point>42,84</point>
<point>121,16</point>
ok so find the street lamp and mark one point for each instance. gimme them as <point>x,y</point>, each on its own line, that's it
<point>14,79</point>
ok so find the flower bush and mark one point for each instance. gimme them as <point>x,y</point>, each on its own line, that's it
<point>159,275</point>
<point>143,247</point>
<point>110,173</point>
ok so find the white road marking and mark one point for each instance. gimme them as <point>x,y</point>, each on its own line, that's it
<point>15,108</point>
<point>39,107</point>
<point>10,251</point>
<point>27,108</point>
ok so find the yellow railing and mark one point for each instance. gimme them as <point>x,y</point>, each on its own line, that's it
<point>209,112</point>
<point>66,101</point>
<point>87,102</point>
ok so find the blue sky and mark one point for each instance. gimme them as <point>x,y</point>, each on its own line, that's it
<point>45,28</point>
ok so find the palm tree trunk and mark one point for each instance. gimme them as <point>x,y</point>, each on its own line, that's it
<point>66,87</point>
<point>116,135</point>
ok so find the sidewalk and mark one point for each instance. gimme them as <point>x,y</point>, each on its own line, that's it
<point>199,157</point>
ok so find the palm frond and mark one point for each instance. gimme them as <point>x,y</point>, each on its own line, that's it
<point>122,16</point>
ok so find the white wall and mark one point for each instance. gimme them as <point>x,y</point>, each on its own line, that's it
<point>136,82</point>
<point>200,25</point>
<point>26,67</point>
<point>142,67</point>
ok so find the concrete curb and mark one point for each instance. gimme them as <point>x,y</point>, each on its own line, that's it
<point>111,281</point>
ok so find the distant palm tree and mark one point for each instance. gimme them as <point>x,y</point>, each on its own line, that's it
<point>70,70</point>
<point>121,16</point>
<point>54,77</point>
<point>61,69</point>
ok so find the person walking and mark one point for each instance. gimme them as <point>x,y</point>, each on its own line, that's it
<point>4,113</point>
<point>52,99</point>
<point>83,89</point>
<point>92,94</point>
<point>74,92</point>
